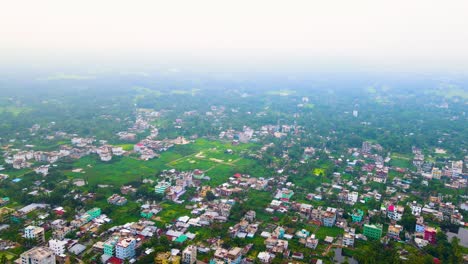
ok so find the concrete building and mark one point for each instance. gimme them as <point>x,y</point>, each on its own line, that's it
<point>395,212</point>
<point>189,255</point>
<point>357,215</point>
<point>38,255</point>
<point>430,235</point>
<point>125,249</point>
<point>373,231</point>
<point>58,246</point>
<point>394,231</point>
<point>162,187</point>
<point>329,217</point>
<point>348,239</point>
<point>35,232</point>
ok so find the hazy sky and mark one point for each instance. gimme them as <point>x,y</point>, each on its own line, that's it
<point>388,35</point>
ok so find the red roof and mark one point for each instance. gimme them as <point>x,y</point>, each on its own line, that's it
<point>436,261</point>
<point>237,175</point>
<point>59,212</point>
<point>115,260</point>
<point>391,208</point>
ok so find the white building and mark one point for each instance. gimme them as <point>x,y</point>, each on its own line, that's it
<point>415,208</point>
<point>348,239</point>
<point>353,197</point>
<point>264,257</point>
<point>35,232</point>
<point>58,246</point>
<point>189,255</point>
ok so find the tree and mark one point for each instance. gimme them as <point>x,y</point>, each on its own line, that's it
<point>210,196</point>
<point>408,221</point>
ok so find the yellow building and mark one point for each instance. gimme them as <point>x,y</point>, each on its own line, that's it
<point>5,213</point>
<point>166,258</point>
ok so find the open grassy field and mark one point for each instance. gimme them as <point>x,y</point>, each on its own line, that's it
<point>400,160</point>
<point>8,255</point>
<point>15,110</point>
<point>119,171</point>
<point>324,231</point>
<point>203,154</point>
<point>172,211</point>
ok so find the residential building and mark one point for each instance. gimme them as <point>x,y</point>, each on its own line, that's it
<point>348,239</point>
<point>395,212</point>
<point>415,208</point>
<point>353,197</point>
<point>189,255</point>
<point>420,226</point>
<point>329,217</point>
<point>38,255</point>
<point>373,231</point>
<point>125,249</point>
<point>312,242</point>
<point>232,256</point>
<point>430,235</point>
<point>394,231</point>
<point>357,215</point>
<point>58,246</point>
<point>264,257</point>
<point>161,187</point>
<point>35,232</point>
<point>109,246</point>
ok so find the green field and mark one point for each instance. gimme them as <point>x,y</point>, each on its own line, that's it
<point>213,159</point>
<point>15,110</point>
<point>400,160</point>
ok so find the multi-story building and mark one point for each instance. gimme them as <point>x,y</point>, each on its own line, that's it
<point>109,245</point>
<point>232,256</point>
<point>35,232</point>
<point>357,215</point>
<point>348,239</point>
<point>415,208</point>
<point>92,214</point>
<point>353,197</point>
<point>312,242</point>
<point>373,231</point>
<point>189,255</point>
<point>38,255</point>
<point>162,187</point>
<point>58,246</point>
<point>329,217</point>
<point>125,249</point>
<point>436,173</point>
<point>395,212</point>
<point>420,226</point>
<point>447,209</point>
<point>366,147</point>
<point>394,231</point>
<point>430,235</point>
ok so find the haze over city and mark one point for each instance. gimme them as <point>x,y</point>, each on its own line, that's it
<point>385,36</point>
